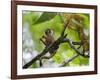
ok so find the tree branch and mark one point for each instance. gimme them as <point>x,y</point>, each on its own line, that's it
<point>69,60</point>
<point>73,47</point>
<point>47,49</point>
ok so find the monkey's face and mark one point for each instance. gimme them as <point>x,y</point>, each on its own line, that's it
<point>49,32</point>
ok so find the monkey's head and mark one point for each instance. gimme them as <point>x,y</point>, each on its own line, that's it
<point>49,32</point>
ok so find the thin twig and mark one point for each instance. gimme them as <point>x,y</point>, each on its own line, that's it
<point>69,60</point>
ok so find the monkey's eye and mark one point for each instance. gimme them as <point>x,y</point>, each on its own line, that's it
<point>50,31</point>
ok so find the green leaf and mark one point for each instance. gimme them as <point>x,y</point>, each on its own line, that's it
<point>34,65</point>
<point>58,58</point>
<point>84,61</point>
<point>86,20</point>
<point>73,35</point>
<point>46,16</point>
<point>75,62</point>
<point>30,17</point>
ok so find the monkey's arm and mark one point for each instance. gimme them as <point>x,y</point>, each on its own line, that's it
<point>44,37</point>
<point>43,41</point>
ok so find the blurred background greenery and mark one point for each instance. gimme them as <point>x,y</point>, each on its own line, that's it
<point>34,26</point>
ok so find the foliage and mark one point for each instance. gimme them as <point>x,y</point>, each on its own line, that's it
<point>39,21</point>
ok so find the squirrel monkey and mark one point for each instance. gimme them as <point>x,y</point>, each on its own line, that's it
<point>47,40</point>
